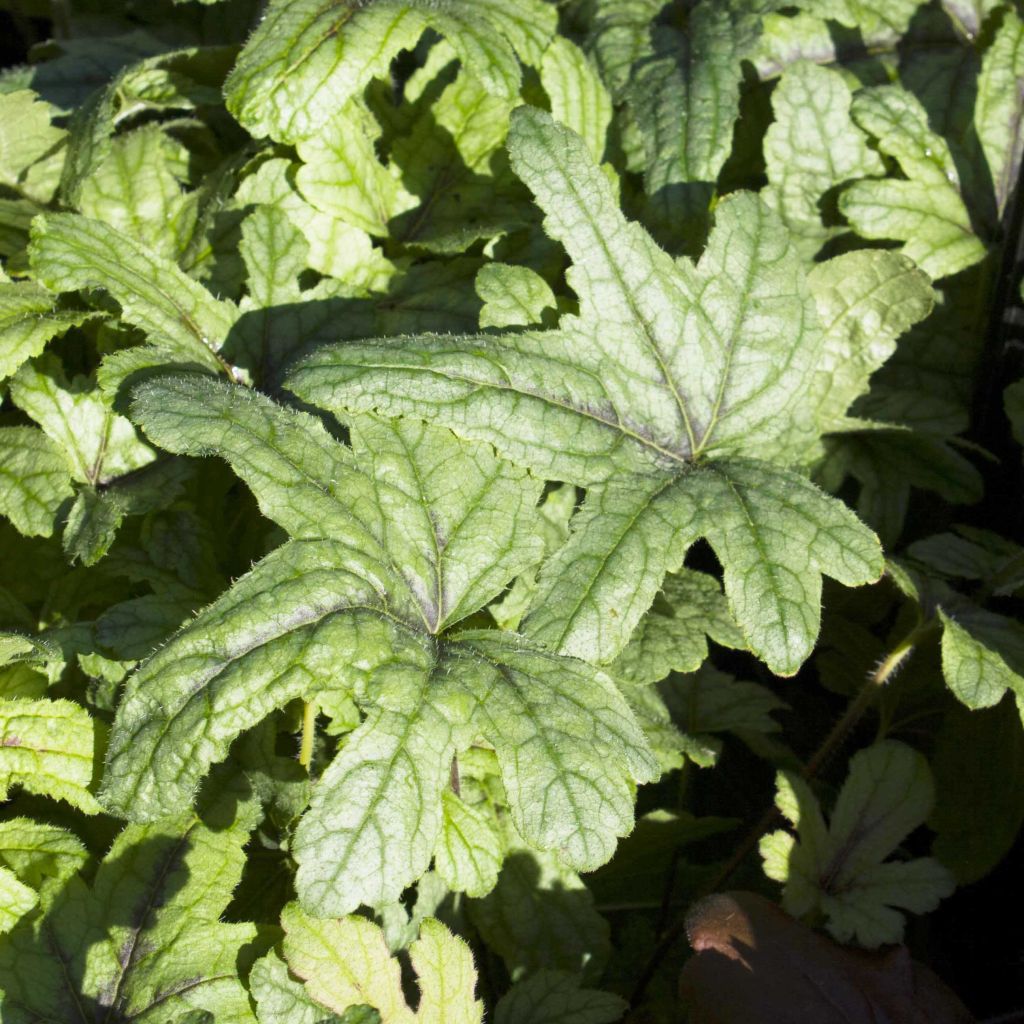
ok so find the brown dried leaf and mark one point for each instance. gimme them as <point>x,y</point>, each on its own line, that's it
<point>755,963</point>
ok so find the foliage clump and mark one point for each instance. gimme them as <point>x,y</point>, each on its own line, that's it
<point>575,374</point>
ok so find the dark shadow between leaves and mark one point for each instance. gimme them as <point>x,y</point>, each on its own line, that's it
<point>755,963</point>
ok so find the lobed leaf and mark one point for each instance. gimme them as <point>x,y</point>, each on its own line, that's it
<point>666,364</point>
<point>346,963</point>
<point>47,747</point>
<point>926,211</point>
<point>145,940</point>
<point>840,869</point>
<point>812,147</point>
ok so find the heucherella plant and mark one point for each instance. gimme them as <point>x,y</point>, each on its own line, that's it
<point>458,458</point>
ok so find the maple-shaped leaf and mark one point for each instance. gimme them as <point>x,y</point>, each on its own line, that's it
<point>346,963</point>
<point>144,940</point>
<point>395,540</point>
<point>308,58</point>
<point>679,395</point>
<point>840,869</point>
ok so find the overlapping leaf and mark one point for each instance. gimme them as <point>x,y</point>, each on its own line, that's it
<point>686,99</point>
<point>178,315</point>
<point>812,147</point>
<point>144,940</point>
<point>35,860</point>
<point>346,963</point>
<point>395,541</point>
<point>926,210</point>
<point>668,395</point>
<point>308,59</point>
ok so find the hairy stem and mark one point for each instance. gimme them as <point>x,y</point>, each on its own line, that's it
<point>308,732</point>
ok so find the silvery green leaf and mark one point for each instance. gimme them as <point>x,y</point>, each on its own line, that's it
<point>667,366</point>
<point>34,480</point>
<point>812,146</point>
<point>346,963</point>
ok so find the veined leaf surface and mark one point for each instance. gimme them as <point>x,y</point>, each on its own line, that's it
<point>657,396</point>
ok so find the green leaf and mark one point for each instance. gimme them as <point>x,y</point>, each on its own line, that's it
<point>869,16</point>
<point>971,14</point>
<point>888,463</point>
<point>145,940</point>
<point>342,175</point>
<point>16,647</point>
<point>926,210</point>
<point>710,701</point>
<point>542,916</point>
<point>469,852</point>
<point>346,963</point>
<point>307,59</point>
<point>973,554</point>
<point>47,747</point>
<point>866,300</point>
<point>28,320</point>
<point>977,815</point>
<point>554,997</point>
<point>999,107</point>
<point>280,999</point>
<point>618,36</point>
<point>513,296</point>
<point>35,861</point>
<point>428,530</point>
<point>30,146</point>
<point>136,188</point>
<point>69,252</point>
<point>16,900</point>
<point>335,248</point>
<point>99,445</point>
<point>666,365</point>
<point>686,99</point>
<point>34,480</point>
<point>841,869</point>
<point>579,99</point>
<point>812,147</point>
<point>982,655</point>
<point>456,183</point>
<point>672,636</point>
